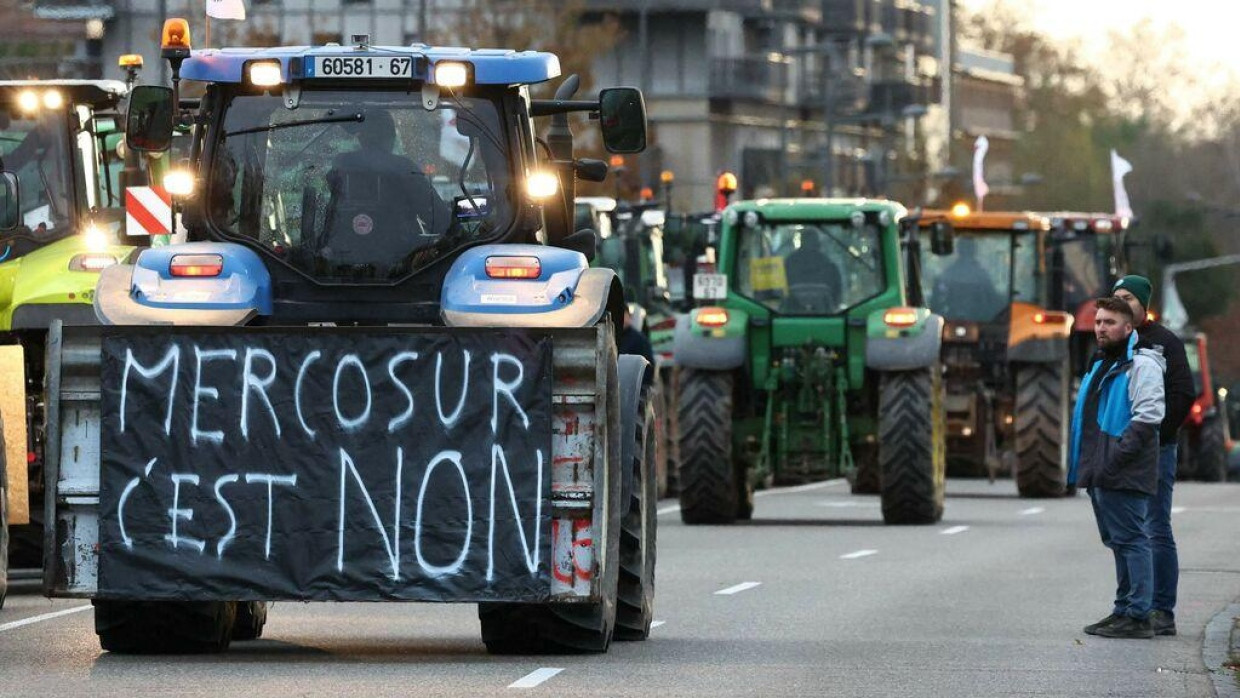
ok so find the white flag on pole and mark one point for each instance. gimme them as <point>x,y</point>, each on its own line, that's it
<point>453,146</point>
<point>980,187</point>
<point>226,9</point>
<point>1119,168</point>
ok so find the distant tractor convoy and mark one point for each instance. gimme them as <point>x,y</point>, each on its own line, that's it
<point>356,223</point>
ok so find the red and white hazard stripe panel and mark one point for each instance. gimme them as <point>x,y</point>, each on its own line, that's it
<point>148,211</point>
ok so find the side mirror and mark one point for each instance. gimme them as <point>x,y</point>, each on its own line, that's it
<point>591,170</point>
<point>622,118</point>
<point>148,124</point>
<point>10,206</point>
<point>942,238</point>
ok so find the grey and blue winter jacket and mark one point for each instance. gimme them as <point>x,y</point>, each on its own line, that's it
<point>1117,448</point>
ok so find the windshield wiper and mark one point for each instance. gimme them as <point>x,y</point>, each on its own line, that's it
<point>357,117</point>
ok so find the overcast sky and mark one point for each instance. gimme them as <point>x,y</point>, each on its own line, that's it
<point>1209,25</point>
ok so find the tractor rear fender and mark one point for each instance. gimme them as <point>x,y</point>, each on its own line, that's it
<point>147,292</point>
<point>902,346</point>
<point>1038,336</point>
<point>565,292</point>
<point>718,348</point>
<point>632,372</point>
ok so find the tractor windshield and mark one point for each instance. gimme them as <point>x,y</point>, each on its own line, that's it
<point>810,268</point>
<point>36,149</point>
<point>1087,268</point>
<point>982,276</point>
<point>360,185</point>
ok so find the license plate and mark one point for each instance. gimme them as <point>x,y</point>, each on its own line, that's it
<point>359,67</point>
<point>710,286</point>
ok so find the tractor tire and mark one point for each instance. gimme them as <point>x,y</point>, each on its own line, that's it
<point>1211,452</point>
<point>912,445</point>
<point>638,551</point>
<point>570,628</point>
<point>251,617</point>
<point>671,433</point>
<point>658,404</point>
<point>866,477</point>
<point>708,484</point>
<point>1042,420</point>
<point>165,627</point>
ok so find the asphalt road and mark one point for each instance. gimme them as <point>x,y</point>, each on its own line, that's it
<point>815,597</point>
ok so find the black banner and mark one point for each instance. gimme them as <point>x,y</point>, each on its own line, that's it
<point>326,465</point>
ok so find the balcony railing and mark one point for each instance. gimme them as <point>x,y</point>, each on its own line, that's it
<point>759,78</point>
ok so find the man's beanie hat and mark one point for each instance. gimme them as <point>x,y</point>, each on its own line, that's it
<point>1138,286</point>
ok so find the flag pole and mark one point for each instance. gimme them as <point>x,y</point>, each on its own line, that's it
<point>206,16</point>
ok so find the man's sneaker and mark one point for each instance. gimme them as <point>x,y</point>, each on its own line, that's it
<point>1092,628</point>
<point>1128,628</point>
<point>1162,622</point>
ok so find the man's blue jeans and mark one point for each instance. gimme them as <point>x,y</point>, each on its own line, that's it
<point>1166,560</point>
<point>1123,522</point>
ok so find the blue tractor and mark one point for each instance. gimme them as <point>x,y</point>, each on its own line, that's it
<point>353,382</point>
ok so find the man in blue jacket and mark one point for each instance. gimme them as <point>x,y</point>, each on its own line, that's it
<point>1181,392</point>
<point>1114,454</point>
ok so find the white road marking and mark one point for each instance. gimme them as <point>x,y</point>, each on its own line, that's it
<point>535,677</point>
<point>656,623</point>
<point>46,616</point>
<point>801,488</point>
<point>954,530</point>
<point>859,553</point>
<point>673,508</point>
<point>847,504</point>
<point>1177,510</point>
<point>1032,510</point>
<point>743,586</point>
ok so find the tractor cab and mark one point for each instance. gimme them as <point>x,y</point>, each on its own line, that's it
<point>61,172</point>
<point>1087,256</point>
<point>355,175</point>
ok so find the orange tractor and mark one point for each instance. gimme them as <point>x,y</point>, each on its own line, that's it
<point>1005,350</point>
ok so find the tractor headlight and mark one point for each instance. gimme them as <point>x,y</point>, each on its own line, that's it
<point>542,185</point>
<point>95,239</point>
<point>265,73</point>
<point>52,99</point>
<point>179,183</point>
<point>28,101</point>
<point>451,74</point>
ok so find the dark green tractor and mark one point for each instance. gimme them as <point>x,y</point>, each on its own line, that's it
<point>817,359</point>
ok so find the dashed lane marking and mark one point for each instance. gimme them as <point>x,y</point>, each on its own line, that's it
<point>858,553</point>
<point>1177,510</point>
<point>46,616</point>
<point>736,589</point>
<point>534,678</point>
<point>954,530</point>
<point>1032,510</point>
<point>673,508</point>
<point>656,623</point>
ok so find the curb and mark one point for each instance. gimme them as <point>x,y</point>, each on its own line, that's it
<point>1220,645</point>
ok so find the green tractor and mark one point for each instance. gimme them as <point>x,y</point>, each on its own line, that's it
<point>818,359</point>
<point>631,243</point>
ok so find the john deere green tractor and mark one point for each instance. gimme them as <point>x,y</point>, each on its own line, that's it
<point>817,359</point>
